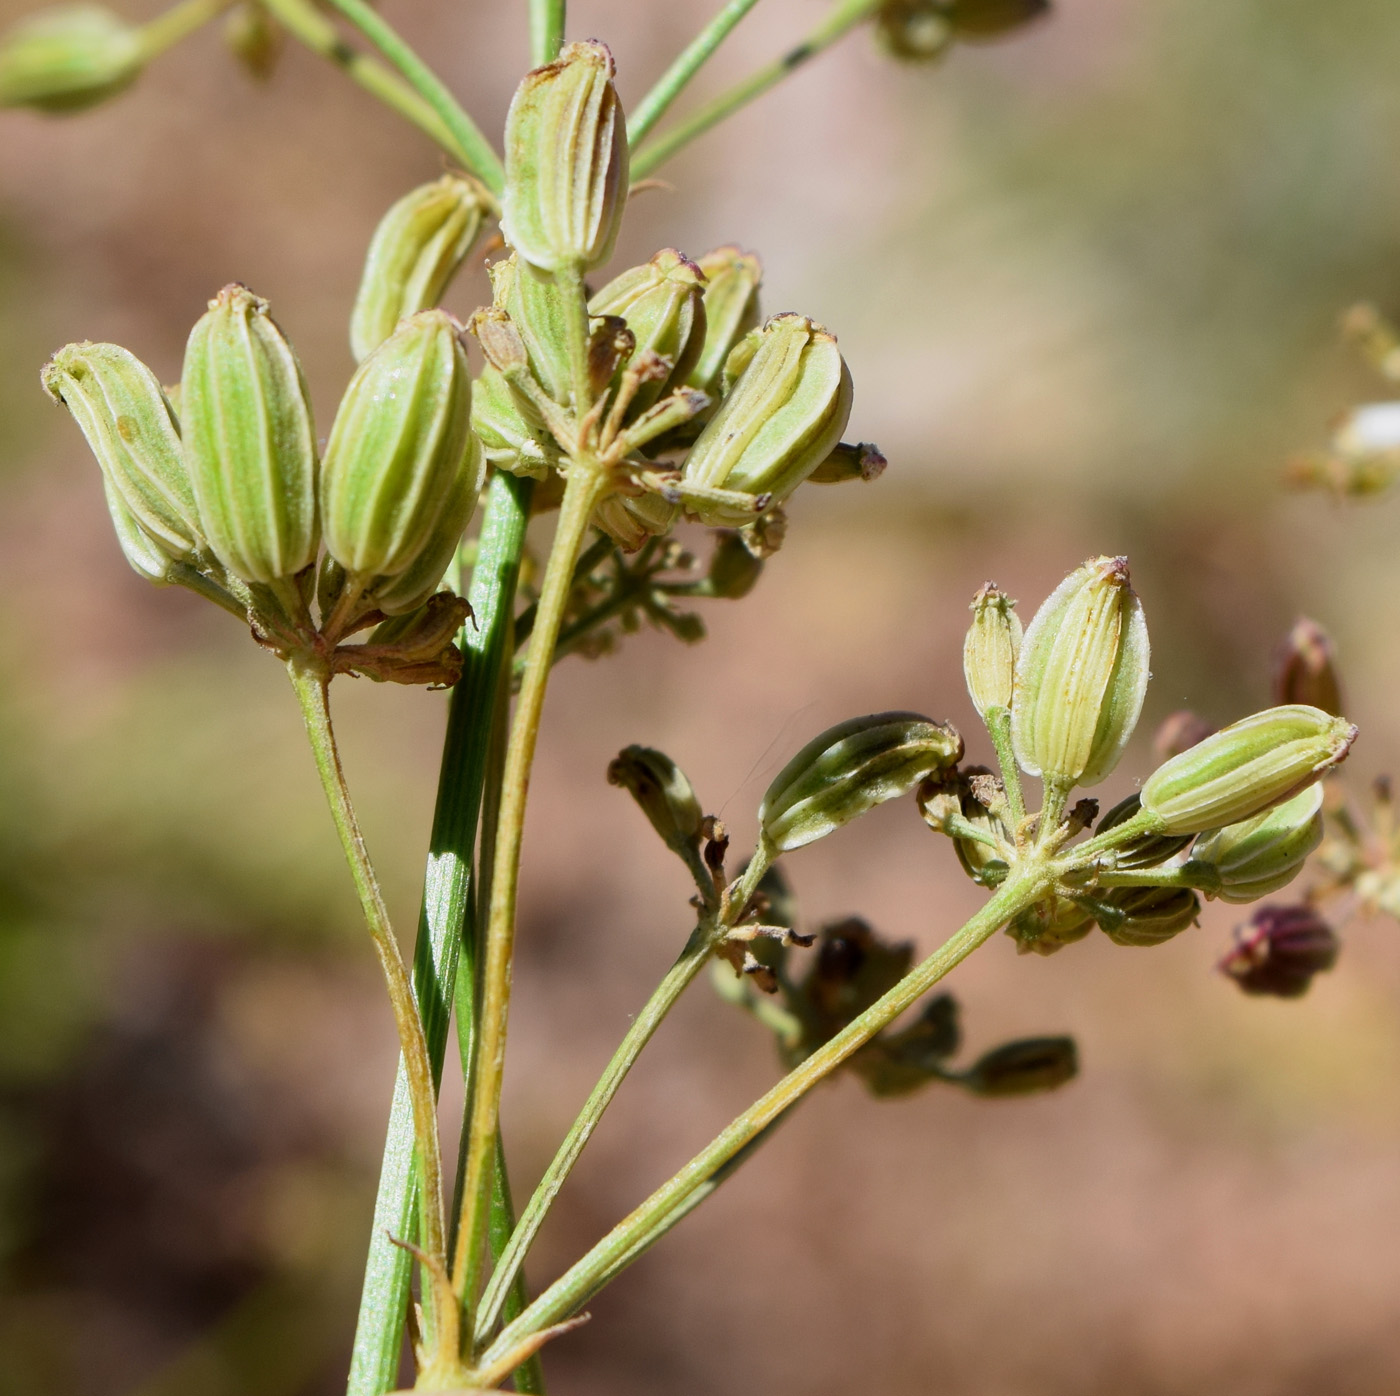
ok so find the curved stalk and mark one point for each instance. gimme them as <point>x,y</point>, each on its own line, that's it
<point>846,15</point>
<point>668,1203</point>
<point>474,149</point>
<point>178,22</point>
<point>311,690</point>
<point>585,486</point>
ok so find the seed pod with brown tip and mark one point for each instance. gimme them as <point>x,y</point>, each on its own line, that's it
<point>666,797</point>
<point>250,444</point>
<point>989,651</point>
<point>1305,669</point>
<point>415,251</point>
<point>566,162</point>
<point>1081,675</point>
<point>732,279</point>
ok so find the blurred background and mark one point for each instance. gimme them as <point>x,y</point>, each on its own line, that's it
<point>1088,283</point>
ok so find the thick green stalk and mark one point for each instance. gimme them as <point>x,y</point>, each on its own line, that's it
<point>486,645</point>
<point>663,999</point>
<point>306,23</point>
<point>672,82</point>
<point>585,485</point>
<point>665,1205</point>
<point>311,690</point>
<point>844,17</point>
<point>474,149</point>
<point>546,30</point>
<point>999,727</point>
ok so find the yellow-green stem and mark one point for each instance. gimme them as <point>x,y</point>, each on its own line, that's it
<point>585,486</point>
<point>311,686</point>
<point>179,22</point>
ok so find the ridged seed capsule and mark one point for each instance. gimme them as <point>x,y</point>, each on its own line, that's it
<point>120,408</point>
<point>989,651</point>
<point>415,251</point>
<point>664,793</point>
<point>1259,856</point>
<point>662,305</point>
<point>67,58</point>
<point>849,769</point>
<point>566,162</point>
<point>1148,915</point>
<point>732,279</point>
<point>1081,675</point>
<point>1246,768</point>
<point>250,444</point>
<point>399,447</point>
<point>779,421</point>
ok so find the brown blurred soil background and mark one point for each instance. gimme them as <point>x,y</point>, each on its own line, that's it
<point>1088,284</point>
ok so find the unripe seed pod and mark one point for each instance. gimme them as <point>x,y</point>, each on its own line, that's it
<point>118,405</point>
<point>849,769</point>
<point>915,30</point>
<point>662,305</point>
<point>734,571</point>
<point>1081,675</point>
<point>255,39</point>
<point>415,251</point>
<point>250,444</point>
<point>1020,1068</point>
<point>398,447</point>
<point>1246,768</point>
<point>1305,669</point>
<point>732,279</point>
<point>146,557</point>
<point>566,162</point>
<point>67,58</point>
<point>631,519</point>
<point>785,412</point>
<point>1049,925</point>
<point>509,428</point>
<point>1259,856</point>
<point>413,587</point>
<point>536,310</point>
<point>666,797</point>
<point>989,651</point>
<point>1150,915</point>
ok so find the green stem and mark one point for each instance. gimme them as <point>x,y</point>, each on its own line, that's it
<point>179,22</point>
<point>1200,876</point>
<point>999,727</point>
<point>311,690</point>
<point>585,485</point>
<point>546,30</point>
<point>653,106</point>
<point>589,559</point>
<point>446,898</point>
<point>304,22</point>
<point>562,1298</point>
<point>688,964</point>
<point>573,296</point>
<point>844,17</point>
<point>473,149</point>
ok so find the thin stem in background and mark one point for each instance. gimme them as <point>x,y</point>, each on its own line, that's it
<point>179,22</point>
<point>672,82</point>
<point>584,487</point>
<point>474,149</point>
<point>546,30</point>
<point>668,1203</point>
<point>678,978</point>
<point>307,24</point>
<point>486,645</point>
<point>311,691</point>
<point>846,15</point>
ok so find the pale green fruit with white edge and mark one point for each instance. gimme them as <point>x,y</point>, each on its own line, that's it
<point>732,279</point>
<point>778,422</point>
<point>68,58</point>
<point>415,251</point>
<point>1081,675</point>
<point>989,650</point>
<point>120,408</point>
<point>566,162</point>
<point>1245,768</point>
<point>399,449</point>
<point>1262,855</point>
<point>851,768</point>
<point>250,444</point>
